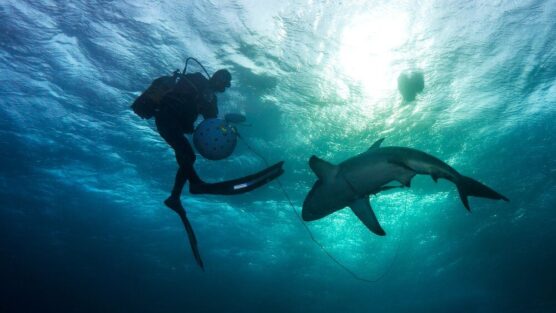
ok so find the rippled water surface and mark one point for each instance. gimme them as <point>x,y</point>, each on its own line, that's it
<point>82,225</point>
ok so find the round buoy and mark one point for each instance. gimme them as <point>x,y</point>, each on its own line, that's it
<point>215,139</point>
<point>410,84</point>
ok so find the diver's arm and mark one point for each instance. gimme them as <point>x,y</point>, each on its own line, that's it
<point>209,109</point>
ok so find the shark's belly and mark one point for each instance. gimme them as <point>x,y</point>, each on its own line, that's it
<point>368,179</point>
<point>420,162</point>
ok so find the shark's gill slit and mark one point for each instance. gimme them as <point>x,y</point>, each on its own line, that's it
<point>389,266</point>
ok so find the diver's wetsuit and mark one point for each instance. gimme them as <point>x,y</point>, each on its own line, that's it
<point>179,110</point>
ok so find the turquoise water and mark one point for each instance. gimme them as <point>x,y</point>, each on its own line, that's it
<point>82,225</point>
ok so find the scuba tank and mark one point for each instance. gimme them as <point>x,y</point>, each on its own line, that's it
<point>148,103</point>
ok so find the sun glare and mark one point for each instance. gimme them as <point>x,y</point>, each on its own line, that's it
<point>368,50</point>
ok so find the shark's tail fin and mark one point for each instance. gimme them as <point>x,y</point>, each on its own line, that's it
<point>467,186</point>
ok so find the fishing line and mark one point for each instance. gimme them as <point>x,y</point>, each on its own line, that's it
<point>309,232</point>
<point>322,248</point>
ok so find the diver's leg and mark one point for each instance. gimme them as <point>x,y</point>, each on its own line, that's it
<point>173,201</point>
<point>185,171</point>
<point>179,182</point>
<point>185,157</point>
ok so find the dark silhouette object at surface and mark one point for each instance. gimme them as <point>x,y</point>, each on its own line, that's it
<point>410,84</point>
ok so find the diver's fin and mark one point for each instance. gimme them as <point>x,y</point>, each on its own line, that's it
<point>177,207</point>
<point>239,185</point>
<point>376,144</point>
<point>192,240</point>
<point>323,169</point>
<point>362,208</point>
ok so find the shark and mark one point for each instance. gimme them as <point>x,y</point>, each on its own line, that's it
<point>353,181</point>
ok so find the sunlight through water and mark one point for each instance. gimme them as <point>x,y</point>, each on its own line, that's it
<point>370,46</point>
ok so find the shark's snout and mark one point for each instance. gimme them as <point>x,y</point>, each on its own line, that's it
<point>305,216</point>
<point>314,209</point>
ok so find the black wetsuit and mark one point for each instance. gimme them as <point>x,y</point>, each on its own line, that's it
<point>178,112</point>
<point>179,109</point>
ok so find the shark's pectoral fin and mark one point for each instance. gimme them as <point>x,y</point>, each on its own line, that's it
<point>324,170</point>
<point>362,209</point>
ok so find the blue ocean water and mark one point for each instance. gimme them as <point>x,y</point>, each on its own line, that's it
<point>82,224</point>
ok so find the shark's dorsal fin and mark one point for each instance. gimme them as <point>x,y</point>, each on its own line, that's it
<point>324,170</point>
<point>362,208</point>
<point>377,144</point>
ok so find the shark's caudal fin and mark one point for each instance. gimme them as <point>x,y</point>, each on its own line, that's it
<point>362,208</point>
<point>467,186</point>
<point>324,170</point>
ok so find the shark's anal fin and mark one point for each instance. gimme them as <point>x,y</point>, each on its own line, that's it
<point>324,170</point>
<point>435,178</point>
<point>376,144</point>
<point>362,209</point>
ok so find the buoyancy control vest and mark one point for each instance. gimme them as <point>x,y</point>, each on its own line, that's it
<point>192,96</point>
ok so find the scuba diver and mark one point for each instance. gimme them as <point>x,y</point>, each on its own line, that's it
<point>176,102</point>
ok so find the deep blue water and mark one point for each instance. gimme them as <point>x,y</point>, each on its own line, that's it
<point>82,225</point>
